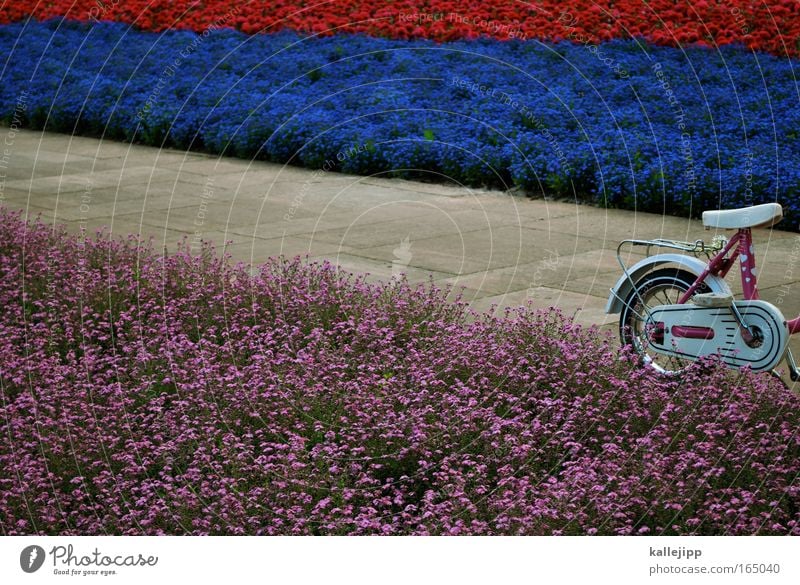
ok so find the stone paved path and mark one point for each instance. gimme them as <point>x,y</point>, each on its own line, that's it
<point>505,250</point>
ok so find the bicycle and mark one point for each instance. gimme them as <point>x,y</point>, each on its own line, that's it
<point>675,308</point>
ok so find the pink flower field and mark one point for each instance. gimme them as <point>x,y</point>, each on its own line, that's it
<point>151,394</point>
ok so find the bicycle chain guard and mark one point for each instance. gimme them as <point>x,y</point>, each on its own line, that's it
<point>689,332</point>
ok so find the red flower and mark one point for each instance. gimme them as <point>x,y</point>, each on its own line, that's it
<point>766,25</point>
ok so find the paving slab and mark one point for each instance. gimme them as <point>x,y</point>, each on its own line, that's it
<point>257,251</point>
<point>551,269</point>
<point>371,228</point>
<point>585,310</point>
<point>486,249</point>
<point>378,270</point>
<point>84,181</point>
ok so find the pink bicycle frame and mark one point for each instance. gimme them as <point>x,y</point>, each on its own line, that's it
<point>720,265</point>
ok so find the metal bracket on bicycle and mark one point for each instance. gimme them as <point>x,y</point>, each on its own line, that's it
<point>695,248</point>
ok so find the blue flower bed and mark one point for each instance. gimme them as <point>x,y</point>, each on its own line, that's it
<point>621,124</point>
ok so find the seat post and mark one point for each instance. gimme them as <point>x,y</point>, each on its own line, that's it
<point>746,251</point>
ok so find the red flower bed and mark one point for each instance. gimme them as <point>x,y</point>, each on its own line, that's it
<point>772,25</point>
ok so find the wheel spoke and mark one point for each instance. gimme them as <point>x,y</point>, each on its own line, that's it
<point>654,290</point>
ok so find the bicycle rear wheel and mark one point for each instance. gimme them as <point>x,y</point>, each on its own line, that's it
<point>661,287</point>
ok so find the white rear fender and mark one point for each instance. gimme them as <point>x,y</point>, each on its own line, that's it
<point>691,264</point>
